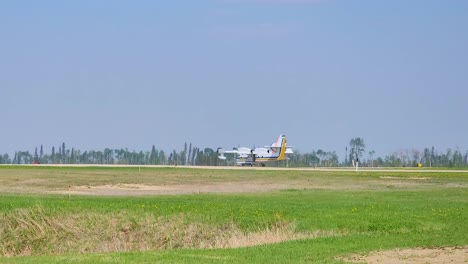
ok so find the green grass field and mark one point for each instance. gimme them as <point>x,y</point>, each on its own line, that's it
<point>57,214</point>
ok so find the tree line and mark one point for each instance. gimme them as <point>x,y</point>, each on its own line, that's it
<point>355,153</point>
<point>189,156</point>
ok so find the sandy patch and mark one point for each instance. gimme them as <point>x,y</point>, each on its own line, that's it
<point>414,256</point>
<point>143,189</point>
<point>403,178</point>
<point>131,189</point>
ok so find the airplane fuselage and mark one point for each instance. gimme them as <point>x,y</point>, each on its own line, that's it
<point>250,157</point>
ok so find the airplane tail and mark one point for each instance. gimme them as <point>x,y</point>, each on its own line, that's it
<point>281,142</point>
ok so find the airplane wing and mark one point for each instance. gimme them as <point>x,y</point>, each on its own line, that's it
<point>231,152</point>
<point>240,151</point>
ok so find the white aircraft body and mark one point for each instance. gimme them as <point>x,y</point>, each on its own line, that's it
<point>258,156</point>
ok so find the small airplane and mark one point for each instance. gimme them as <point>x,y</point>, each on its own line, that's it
<point>258,156</point>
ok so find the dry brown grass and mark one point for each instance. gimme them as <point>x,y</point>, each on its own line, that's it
<point>26,232</point>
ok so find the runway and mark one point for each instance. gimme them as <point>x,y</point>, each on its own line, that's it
<point>331,169</point>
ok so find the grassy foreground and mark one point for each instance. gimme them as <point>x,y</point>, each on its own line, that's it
<point>315,225</point>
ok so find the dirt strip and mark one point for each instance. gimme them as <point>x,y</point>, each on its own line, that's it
<point>444,255</point>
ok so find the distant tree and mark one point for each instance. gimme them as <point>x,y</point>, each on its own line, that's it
<point>357,146</point>
<point>211,158</point>
<point>432,157</point>
<point>416,157</point>
<point>99,157</point>
<point>392,160</point>
<point>153,155</point>
<point>311,159</point>
<point>183,155</point>
<point>427,157</point>
<point>371,157</point>
<point>294,158</point>
<point>41,155</point>
<point>162,158</point>
<point>141,158</point>
<point>175,158</point>
<point>24,157</point>
<point>194,154</point>
<point>52,155</point>
<point>63,155</point>
<point>447,158</point>
<point>332,158</point>
<point>36,157</point>
<point>6,159</point>
<point>72,156</point>
<point>119,155</point>
<point>457,158</point>
<point>189,154</point>
<point>169,160</point>
<point>320,154</point>
<point>108,156</point>
<point>346,156</point>
<point>379,161</point>
<point>84,158</point>
<point>404,157</point>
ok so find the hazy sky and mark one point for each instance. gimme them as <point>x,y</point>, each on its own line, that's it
<point>117,74</point>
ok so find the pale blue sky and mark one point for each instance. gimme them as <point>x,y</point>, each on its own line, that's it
<point>118,74</point>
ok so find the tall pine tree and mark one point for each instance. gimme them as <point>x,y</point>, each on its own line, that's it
<point>41,155</point>
<point>153,155</point>
<point>64,154</point>
<point>36,157</point>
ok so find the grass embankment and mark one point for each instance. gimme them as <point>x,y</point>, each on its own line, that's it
<point>193,228</point>
<point>340,222</point>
